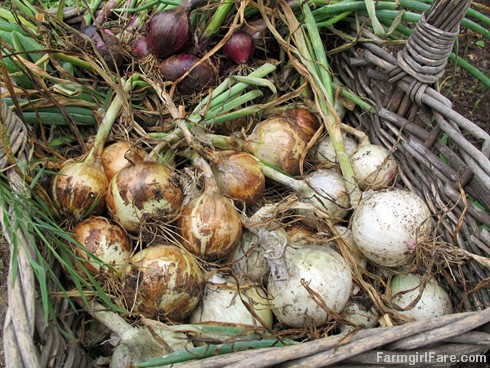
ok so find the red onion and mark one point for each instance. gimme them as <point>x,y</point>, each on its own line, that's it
<point>141,48</point>
<point>203,75</point>
<point>170,31</point>
<point>107,44</point>
<point>239,47</point>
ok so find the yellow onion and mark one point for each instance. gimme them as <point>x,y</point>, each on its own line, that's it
<point>163,281</point>
<point>143,192</point>
<point>222,303</point>
<point>238,175</point>
<point>114,157</point>
<point>104,239</point>
<point>79,188</point>
<point>209,224</point>
<point>303,118</point>
<point>299,234</point>
<point>278,142</point>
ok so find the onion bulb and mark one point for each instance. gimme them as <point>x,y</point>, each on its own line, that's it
<point>203,74</point>
<point>79,188</point>
<point>240,47</point>
<point>359,316</point>
<point>300,235</point>
<point>105,240</point>
<point>169,31</point>
<point>304,119</point>
<point>388,225</point>
<point>248,260</point>
<point>326,191</point>
<point>323,152</point>
<point>142,192</point>
<point>114,157</point>
<point>373,167</point>
<point>238,175</point>
<point>278,142</point>
<point>163,281</point>
<point>434,300</point>
<point>209,224</point>
<point>324,271</point>
<point>222,303</point>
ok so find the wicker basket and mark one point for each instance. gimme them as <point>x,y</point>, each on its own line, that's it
<point>411,117</point>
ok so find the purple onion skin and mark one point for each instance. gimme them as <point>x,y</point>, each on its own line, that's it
<point>107,45</point>
<point>204,75</point>
<point>240,47</point>
<point>141,48</point>
<point>169,32</point>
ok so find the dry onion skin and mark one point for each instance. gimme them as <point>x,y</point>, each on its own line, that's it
<point>222,303</point>
<point>323,152</point>
<point>78,189</point>
<point>238,175</point>
<point>248,260</point>
<point>358,316</point>
<point>388,225</point>
<point>114,157</point>
<point>163,281</point>
<point>143,192</point>
<point>209,224</point>
<point>303,118</point>
<point>104,239</point>
<point>324,271</point>
<point>374,168</point>
<point>433,302</point>
<point>278,142</point>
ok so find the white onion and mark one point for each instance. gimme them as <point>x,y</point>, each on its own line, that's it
<point>324,154</point>
<point>327,192</point>
<point>359,316</point>
<point>324,271</point>
<point>248,260</point>
<point>434,301</point>
<point>373,166</point>
<point>387,226</point>
<point>221,303</point>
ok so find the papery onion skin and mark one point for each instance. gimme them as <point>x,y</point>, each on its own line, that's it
<point>359,316</point>
<point>105,240</point>
<point>303,118</point>
<point>238,175</point>
<point>373,167</point>
<point>323,152</point>
<point>248,260</point>
<point>79,189</point>
<point>222,303</point>
<point>325,272</point>
<point>331,197</point>
<point>240,47</point>
<point>434,302</point>
<point>113,157</point>
<point>210,225</point>
<point>169,32</point>
<point>278,142</point>
<point>163,281</point>
<point>388,225</point>
<point>203,74</point>
<point>145,191</point>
